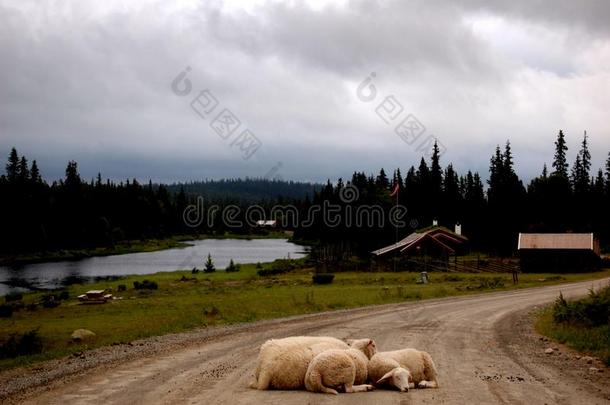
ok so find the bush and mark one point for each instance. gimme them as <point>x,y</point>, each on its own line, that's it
<point>145,285</point>
<point>232,267</point>
<point>64,295</point>
<point>28,343</point>
<point>121,287</point>
<point>593,310</point>
<point>323,278</point>
<point>50,301</point>
<point>13,296</point>
<point>6,311</point>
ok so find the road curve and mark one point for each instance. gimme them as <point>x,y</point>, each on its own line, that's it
<point>473,340</point>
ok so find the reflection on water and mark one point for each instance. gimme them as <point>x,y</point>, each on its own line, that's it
<point>54,275</point>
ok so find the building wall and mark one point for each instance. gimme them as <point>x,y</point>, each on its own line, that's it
<point>559,261</point>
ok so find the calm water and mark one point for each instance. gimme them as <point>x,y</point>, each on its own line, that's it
<point>56,274</point>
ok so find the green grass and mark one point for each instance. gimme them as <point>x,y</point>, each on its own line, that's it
<point>578,324</point>
<point>225,298</point>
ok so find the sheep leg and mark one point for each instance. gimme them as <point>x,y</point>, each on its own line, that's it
<point>264,379</point>
<point>427,384</point>
<point>358,388</point>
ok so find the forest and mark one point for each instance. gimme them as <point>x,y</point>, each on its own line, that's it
<point>74,213</point>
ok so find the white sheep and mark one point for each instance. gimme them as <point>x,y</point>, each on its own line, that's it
<point>337,369</point>
<point>282,363</point>
<point>403,369</point>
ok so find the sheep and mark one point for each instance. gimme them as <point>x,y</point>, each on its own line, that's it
<point>335,369</point>
<point>282,363</point>
<point>403,369</point>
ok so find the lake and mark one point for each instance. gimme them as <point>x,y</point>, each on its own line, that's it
<point>56,274</point>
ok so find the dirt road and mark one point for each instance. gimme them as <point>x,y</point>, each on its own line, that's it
<point>483,346</point>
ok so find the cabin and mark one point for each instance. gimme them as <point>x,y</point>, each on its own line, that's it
<point>436,242</point>
<point>559,252</point>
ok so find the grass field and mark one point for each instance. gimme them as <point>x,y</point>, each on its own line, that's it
<point>583,325</point>
<point>207,299</point>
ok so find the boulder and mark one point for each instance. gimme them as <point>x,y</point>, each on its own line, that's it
<point>81,335</point>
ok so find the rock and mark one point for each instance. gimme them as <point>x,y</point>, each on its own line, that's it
<point>577,357</point>
<point>81,335</point>
<point>549,351</point>
<point>587,359</point>
<point>593,369</point>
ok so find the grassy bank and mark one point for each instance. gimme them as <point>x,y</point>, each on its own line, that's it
<point>184,301</point>
<point>583,325</point>
<point>133,246</point>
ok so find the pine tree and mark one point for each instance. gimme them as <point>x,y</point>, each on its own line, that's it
<point>382,181</point>
<point>560,162</point>
<point>35,173</point>
<point>72,177</point>
<point>209,265</point>
<point>12,167</point>
<point>24,171</point>
<point>545,172</point>
<point>581,178</point>
<point>608,174</point>
<point>436,173</point>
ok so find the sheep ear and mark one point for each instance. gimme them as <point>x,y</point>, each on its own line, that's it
<point>386,377</point>
<point>370,342</point>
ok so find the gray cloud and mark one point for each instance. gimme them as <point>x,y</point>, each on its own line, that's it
<point>91,82</point>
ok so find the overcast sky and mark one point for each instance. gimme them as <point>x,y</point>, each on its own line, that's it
<point>92,81</point>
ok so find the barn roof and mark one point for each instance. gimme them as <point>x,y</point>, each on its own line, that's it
<point>438,234</point>
<point>561,241</point>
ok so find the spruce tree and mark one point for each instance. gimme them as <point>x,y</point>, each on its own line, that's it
<point>581,177</point>
<point>35,173</point>
<point>12,167</point>
<point>608,174</point>
<point>560,162</point>
<point>209,265</point>
<point>24,171</point>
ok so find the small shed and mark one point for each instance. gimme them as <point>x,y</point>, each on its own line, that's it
<point>559,252</point>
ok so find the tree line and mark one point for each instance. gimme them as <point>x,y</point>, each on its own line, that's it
<point>74,213</point>
<point>562,199</point>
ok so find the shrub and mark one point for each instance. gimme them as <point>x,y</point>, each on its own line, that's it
<point>28,343</point>
<point>213,311</point>
<point>6,311</point>
<point>13,296</point>
<point>593,310</point>
<point>64,295</point>
<point>50,301</point>
<point>145,285</point>
<point>121,287</point>
<point>195,270</point>
<point>323,278</point>
<point>232,267</point>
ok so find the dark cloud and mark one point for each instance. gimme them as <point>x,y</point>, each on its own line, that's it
<point>91,82</point>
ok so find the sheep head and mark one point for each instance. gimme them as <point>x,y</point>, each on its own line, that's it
<point>366,346</point>
<point>398,377</point>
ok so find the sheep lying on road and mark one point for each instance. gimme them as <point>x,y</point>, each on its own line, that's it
<point>282,363</point>
<point>338,369</point>
<point>401,367</point>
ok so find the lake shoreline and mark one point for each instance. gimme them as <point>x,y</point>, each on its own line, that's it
<point>128,247</point>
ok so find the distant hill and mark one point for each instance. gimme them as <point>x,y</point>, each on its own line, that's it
<point>246,190</point>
